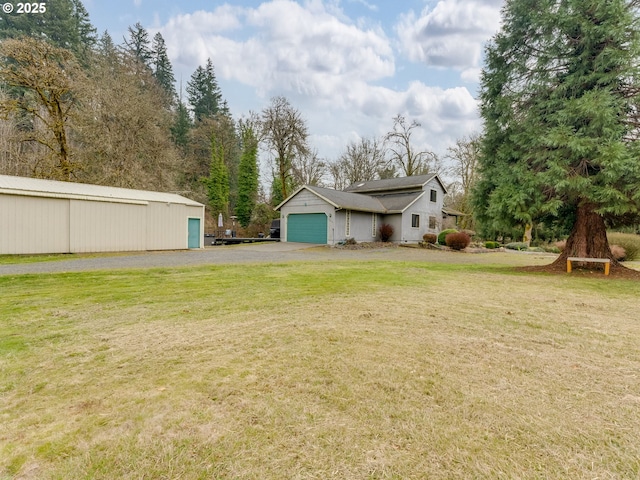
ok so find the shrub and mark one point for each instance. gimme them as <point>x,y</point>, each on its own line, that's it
<point>443,234</point>
<point>516,246</point>
<point>430,238</point>
<point>350,241</point>
<point>386,232</point>
<point>618,252</point>
<point>491,245</point>
<point>629,242</point>
<point>458,240</point>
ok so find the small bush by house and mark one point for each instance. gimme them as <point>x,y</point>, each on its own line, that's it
<point>443,234</point>
<point>491,245</point>
<point>386,232</point>
<point>458,240</point>
<point>430,238</point>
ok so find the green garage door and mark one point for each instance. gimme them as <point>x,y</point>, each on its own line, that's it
<point>307,228</point>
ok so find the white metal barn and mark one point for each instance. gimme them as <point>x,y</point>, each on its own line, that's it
<point>46,216</point>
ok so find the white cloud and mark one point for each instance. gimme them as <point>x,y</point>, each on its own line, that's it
<point>333,69</point>
<point>291,47</point>
<point>451,34</point>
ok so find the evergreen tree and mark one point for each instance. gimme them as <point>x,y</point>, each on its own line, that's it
<point>247,175</point>
<point>181,126</point>
<point>218,181</point>
<point>560,112</point>
<point>138,45</point>
<point>105,45</point>
<point>64,23</point>
<point>161,66</point>
<point>204,93</point>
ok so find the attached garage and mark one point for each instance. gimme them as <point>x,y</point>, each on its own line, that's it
<point>46,216</point>
<point>307,228</point>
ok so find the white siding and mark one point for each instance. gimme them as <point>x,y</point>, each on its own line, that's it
<point>33,225</point>
<point>425,208</point>
<point>107,227</point>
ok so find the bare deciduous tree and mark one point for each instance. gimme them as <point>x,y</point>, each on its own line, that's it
<point>464,169</point>
<point>123,130</point>
<point>404,154</point>
<point>48,77</point>
<point>285,135</point>
<point>361,161</point>
<point>309,169</point>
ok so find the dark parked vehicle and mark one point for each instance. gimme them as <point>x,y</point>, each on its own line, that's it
<point>274,231</point>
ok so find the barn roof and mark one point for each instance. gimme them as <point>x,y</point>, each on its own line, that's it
<point>37,187</point>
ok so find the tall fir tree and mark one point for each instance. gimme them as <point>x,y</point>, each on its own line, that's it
<point>181,126</point>
<point>138,45</point>
<point>218,181</point>
<point>247,175</point>
<point>203,93</point>
<point>161,67</point>
<point>560,110</point>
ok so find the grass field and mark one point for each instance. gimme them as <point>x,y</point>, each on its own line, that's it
<point>346,370</point>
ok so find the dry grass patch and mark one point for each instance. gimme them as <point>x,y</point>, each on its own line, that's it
<point>345,370</point>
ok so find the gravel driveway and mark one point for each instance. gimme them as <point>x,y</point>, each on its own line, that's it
<point>262,253</point>
<point>243,253</point>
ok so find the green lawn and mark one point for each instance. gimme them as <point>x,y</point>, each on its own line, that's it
<point>360,370</point>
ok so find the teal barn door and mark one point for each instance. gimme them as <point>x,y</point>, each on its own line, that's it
<point>194,233</point>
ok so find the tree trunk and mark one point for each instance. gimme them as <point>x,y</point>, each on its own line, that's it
<point>528,228</point>
<point>588,237</point>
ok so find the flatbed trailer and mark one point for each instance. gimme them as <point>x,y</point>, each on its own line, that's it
<point>237,240</point>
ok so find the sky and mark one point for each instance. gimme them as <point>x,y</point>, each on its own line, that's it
<point>348,66</point>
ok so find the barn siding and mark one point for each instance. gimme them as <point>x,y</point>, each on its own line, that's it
<point>33,225</point>
<point>43,216</point>
<point>107,227</point>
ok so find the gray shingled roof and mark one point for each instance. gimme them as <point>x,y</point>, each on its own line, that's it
<point>399,203</point>
<point>389,184</point>
<point>349,201</point>
<point>363,203</point>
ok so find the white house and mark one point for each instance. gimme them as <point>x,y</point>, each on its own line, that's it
<point>46,216</point>
<point>411,205</point>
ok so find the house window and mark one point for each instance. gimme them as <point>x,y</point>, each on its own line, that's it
<point>348,224</point>
<point>415,221</point>
<point>432,223</point>
<point>374,225</point>
<point>434,196</point>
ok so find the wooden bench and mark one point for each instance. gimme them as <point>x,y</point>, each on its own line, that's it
<point>606,261</point>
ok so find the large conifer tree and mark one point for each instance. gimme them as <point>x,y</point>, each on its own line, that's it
<point>204,93</point>
<point>161,66</point>
<point>560,111</point>
<point>247,175</point>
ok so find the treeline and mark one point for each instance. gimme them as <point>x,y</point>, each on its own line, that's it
<point>77,106</point>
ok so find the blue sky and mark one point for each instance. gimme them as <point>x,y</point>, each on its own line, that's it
<point>349,66</point>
